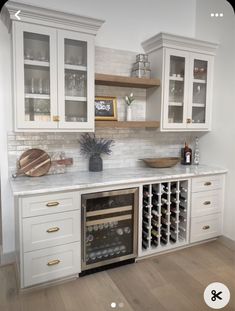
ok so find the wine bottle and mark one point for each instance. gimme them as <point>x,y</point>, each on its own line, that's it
<point>164,240</point>
<point>155,223</point>
<point>173,228</point>
<point>183,209</point>
<point>183,199</point>
<point>164,210</point>
<point>182,189</point>
<point>145,202</point>
<point>145,194</point>
<point>155,202</point>
<point>173,238</point>
<point>186,155</point>
<point>155,213</point>
<point>154,233</point>
<point>174,190</point>
<point>154,242</point>
<point>164,201</point>
<point>145,244</point>
<point>182,229</point>
<point>173,200</point>
<point>181,218</point>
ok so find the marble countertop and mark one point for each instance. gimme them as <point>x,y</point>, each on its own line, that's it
<point>111,177</point>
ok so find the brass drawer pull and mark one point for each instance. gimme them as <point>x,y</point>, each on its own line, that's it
<point>206,227</point>
<point>208,183</point>
<point>207,203</point>
<point>189,120</point>
<point>56,118</point>
<point>55,229</point>
<point>53,262</point>
<point>50,204</point>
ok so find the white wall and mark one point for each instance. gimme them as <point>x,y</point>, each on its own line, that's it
<point>5,125</point>
<point>218,146</point>
<point>128,22</point>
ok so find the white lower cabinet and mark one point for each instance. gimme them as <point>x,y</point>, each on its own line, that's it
<point>51,230</point>
<point>51,263</point>
<point>206,207</point>
<point>49,237</point>
<point>205,227</point>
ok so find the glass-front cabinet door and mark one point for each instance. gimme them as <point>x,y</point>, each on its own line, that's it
<point>175,93</point>
<point>75,80</point>
<point>199,91</point>
<point>36,74</point>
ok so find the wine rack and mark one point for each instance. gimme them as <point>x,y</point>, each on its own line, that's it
<point>165,215</point>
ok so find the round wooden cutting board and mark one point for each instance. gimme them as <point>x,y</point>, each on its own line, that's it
<point>34,162</point>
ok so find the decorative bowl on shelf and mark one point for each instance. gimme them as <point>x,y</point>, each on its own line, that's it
<point>161,162</point>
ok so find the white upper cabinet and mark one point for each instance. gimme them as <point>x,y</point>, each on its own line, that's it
<point>186,69</point>
<point>53,62</point>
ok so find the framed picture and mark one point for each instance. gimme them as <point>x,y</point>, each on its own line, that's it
<point>106,108</point>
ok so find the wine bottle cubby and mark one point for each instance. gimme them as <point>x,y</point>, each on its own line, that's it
<point>165,216</point>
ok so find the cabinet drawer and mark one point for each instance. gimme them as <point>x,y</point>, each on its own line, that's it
<point>52,263</point>
<point>50,203</point>
<point>207,183</point>
<point>205,227</point>
<point>206,202</point>
<point>51,230</point>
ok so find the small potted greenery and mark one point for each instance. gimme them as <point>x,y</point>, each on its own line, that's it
<point>92,148</point>
<point>129,99</point>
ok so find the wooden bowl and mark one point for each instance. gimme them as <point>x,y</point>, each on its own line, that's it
<point>161,162</point>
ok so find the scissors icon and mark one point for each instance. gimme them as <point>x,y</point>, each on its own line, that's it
<point>215,295</point>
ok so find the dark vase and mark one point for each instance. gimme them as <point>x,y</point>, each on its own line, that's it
<point>95,163</point>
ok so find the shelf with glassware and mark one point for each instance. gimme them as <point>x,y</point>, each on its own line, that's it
<point>165,216</point>
<point>185,96</point>
<point>54,74</point>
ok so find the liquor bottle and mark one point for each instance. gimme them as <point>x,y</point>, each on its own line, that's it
<point>186,155</point>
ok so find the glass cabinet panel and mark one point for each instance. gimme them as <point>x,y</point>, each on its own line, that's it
<point>75,80</point>
<point>176,89</point>
<point>37,77</point>
<point>199,91</point>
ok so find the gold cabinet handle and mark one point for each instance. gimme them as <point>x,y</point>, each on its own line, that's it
<point>53,262</point>
<point>50,204</point>
<point>56,118</point>
<point>206,227</point>
<point>51,230</point>
<point>208,183</point>
<point>207,203</point>
<point>188,120</point>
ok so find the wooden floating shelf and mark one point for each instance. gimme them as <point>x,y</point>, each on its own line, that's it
<point>112,80</point>
<point>127,124</point>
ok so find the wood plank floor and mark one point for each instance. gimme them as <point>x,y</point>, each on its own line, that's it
<point>173,281</point>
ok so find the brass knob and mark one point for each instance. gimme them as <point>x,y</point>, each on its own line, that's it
<point>53,262</point>
<point>50,204</point>
<point>207,203</point>
<point>56,118</point>
<point>206,227</point>
<point>208,183</point>
<point>189,120</point>
<point>51,230</point>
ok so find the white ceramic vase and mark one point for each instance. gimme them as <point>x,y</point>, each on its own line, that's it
<point>128,113</point>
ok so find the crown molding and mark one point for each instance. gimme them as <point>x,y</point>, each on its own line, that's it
<point>53,18</point>
<point>168,40</point>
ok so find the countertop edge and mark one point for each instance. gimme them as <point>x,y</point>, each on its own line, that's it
<point>115,183</point>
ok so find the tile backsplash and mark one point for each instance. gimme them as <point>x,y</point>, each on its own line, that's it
<point>130,144</point>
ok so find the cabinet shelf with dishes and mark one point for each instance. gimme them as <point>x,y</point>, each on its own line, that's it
<point>186,65</point>
<point>53,55</point>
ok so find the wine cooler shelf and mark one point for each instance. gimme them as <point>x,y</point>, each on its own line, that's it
<point>164,215</point>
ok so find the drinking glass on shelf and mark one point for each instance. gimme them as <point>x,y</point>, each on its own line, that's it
<point>28,54</point>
